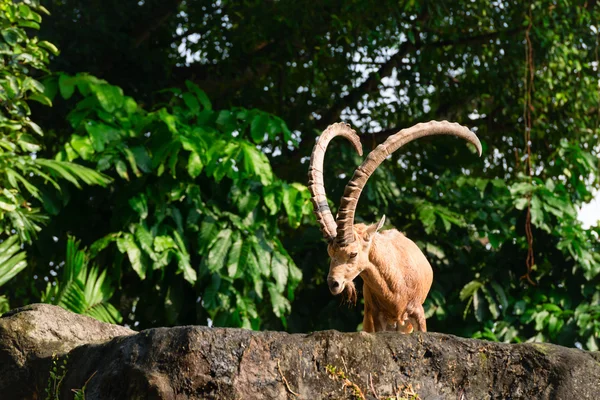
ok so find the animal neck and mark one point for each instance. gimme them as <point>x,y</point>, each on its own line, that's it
<point>378,275</point>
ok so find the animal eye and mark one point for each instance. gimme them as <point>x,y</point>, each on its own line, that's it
<point>352,255</point>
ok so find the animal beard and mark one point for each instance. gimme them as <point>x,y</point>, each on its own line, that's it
<point>350,295</point>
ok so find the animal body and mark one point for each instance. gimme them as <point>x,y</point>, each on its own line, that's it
<point>396,275</point>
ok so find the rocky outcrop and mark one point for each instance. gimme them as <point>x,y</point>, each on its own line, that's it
<point>30,336</point>
<point>193,362</point>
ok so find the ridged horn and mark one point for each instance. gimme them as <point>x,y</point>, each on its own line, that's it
<point>316,184</point>
<point>345,219</point>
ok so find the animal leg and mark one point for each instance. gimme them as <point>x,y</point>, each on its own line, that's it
<point>403,325</point>
<point>380,321</point>
<point>368,324</point>
<point>417,318</point>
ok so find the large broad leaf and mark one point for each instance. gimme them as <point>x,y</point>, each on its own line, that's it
<point>202,97</point>
<point>218,252</point>
<point>280,270</point>
<point>192,103</point>
<point>256,164</point>
<point>101,134</point>
<point>258,127</point>
<point>233,259</point>
<point>194,165</point>
<point>469,289</point>
<point>66,85</point>
<point>12,259</point>
<point>281,305</point>
<point>183,258</point>
<point>110,97</point>
<point>126,244</point>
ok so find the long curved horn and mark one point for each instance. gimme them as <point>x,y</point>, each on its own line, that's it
<point>345,219</point>
<point>315,175</point>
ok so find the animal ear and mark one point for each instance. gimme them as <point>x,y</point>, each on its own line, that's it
<point>372,229</point>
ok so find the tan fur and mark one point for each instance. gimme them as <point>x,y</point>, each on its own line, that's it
<point>397,278</point>
<point>396,274</point>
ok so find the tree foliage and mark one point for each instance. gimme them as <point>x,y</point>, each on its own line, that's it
<point>25,179</point>
<point>195,205</point>
<point>203,114</point>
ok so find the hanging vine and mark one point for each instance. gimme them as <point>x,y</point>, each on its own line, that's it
<point>528,108</point>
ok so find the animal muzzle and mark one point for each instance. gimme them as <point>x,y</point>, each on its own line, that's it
<point>336,286</point>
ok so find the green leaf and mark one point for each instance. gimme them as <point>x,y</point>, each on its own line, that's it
<point>10,35</point>
<point>226,120</point>
<point>202,97</point>
<point>264,252</point>
<point>540,319</point>
<point>210,293</point>
<point>168,119</point>
<point>145,239</point>
<point>208,233</point>
<point>258,127</point>
<point>520,307</point>
<point>191,102</point>
<point>12,259</point>
<point>272,197</point>
<point>83,146</point>
<point>130,105</point>
<point>281,305</point>
<point>445,221</point>
<point>233,257</point>
<point>40,98</point>
<point>253,271</point>
<point>478,306</point>
<point>592,344</point>
<point>110,97</point>
<point>469,289</point>
<point>101,134</point>
<point>256,164</point>
<point>500,295</point>
<point>163,243</point>
<point>74,173</point>
<point>492,305</point>
<point>280,270</point>
<point>183,258</point>
<point>66,85</point>
<point>427,217</point>
<point>121,168</point>
<point>49,46</point>
<point>35,128</point>
<point>139,204</point>
<point>218,252</point>
<point>195,165</point>
<point>83,289</point>
<point>537,215</point>
<point>126,244</point>
<point>102,243</point>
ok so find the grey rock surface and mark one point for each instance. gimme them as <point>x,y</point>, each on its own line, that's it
<point>30,335</point>
<point>194,362</point>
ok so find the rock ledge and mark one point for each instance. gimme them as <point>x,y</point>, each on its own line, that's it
<point>194,362</point>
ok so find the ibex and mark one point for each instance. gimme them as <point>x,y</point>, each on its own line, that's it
<point>396,275</point>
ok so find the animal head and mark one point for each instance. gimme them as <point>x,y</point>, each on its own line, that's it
<point>349,260</point>
<point>348,244</point>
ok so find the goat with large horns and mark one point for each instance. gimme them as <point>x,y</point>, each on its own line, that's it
<point>396,275</point>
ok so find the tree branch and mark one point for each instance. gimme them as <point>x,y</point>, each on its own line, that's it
<point>372,82</point>
<point>142,33</point>
<point>161,15</point>
<point>478,39</point>
<point>368,86</point>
